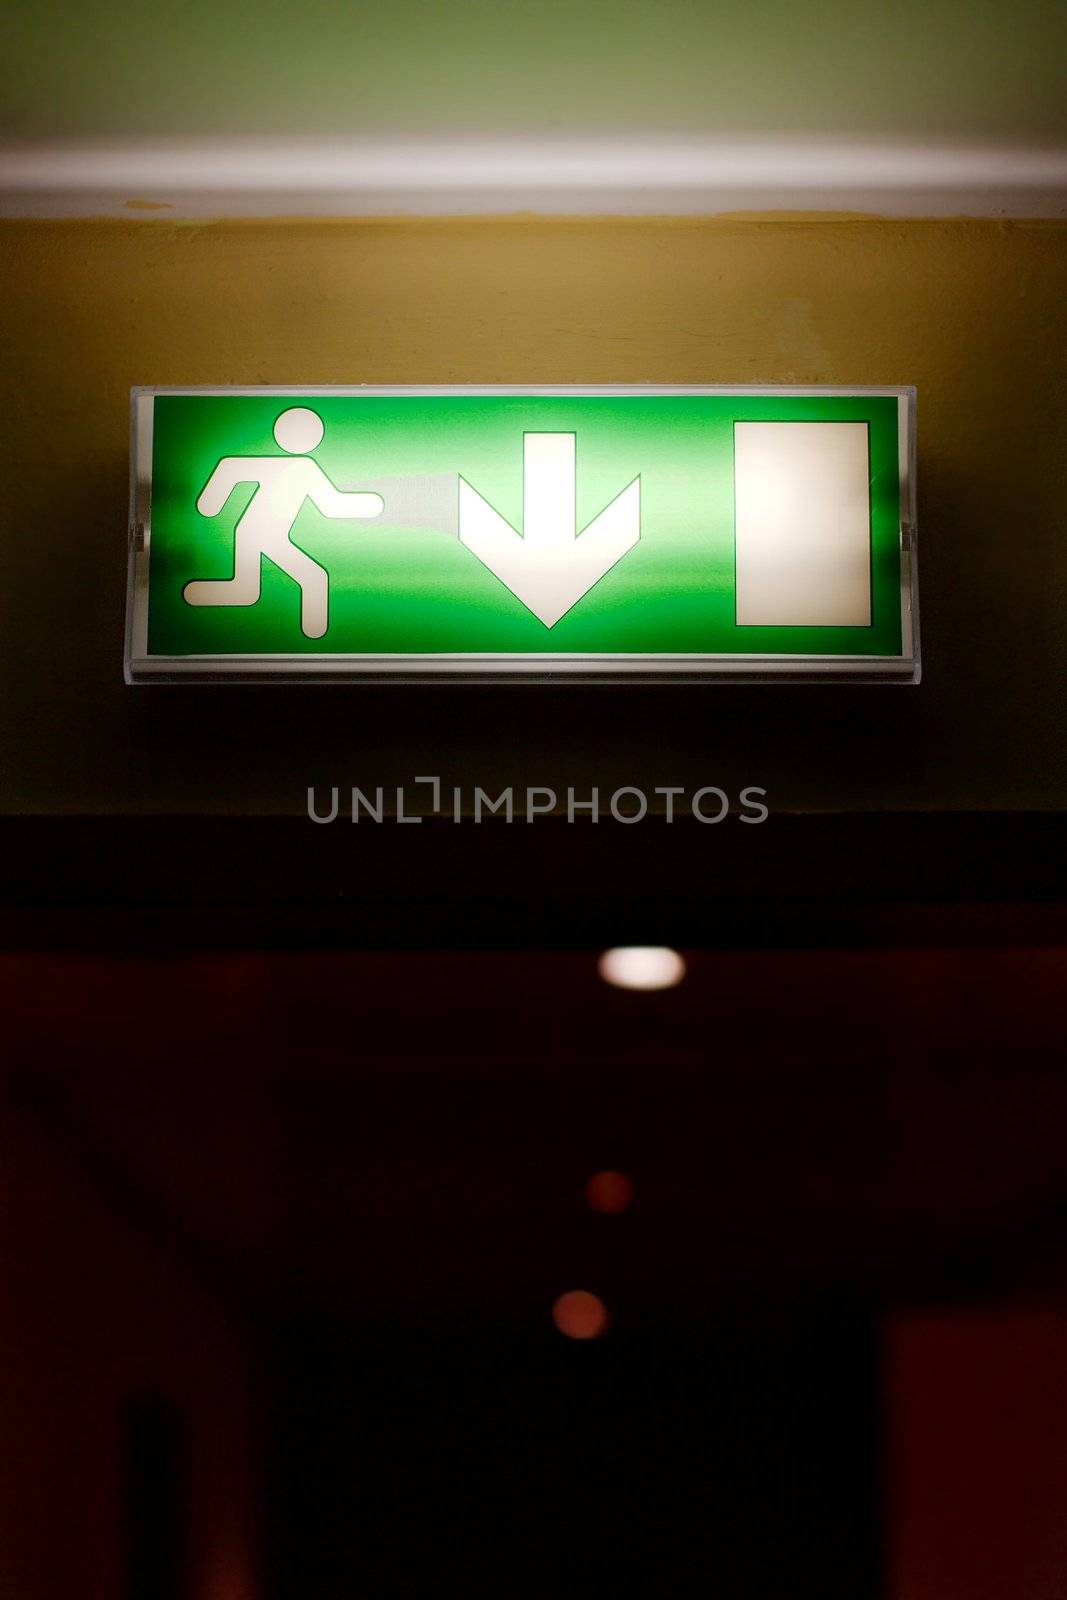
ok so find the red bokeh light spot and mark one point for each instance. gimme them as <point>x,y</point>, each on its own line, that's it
<point>580,1315</point>
<point>609,1192</point>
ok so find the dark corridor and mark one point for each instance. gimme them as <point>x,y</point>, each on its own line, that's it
<point>678,1456</point>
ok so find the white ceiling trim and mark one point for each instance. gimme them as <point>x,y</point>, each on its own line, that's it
<point>257,179</point>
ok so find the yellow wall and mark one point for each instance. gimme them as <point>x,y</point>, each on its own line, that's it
<point>973,312</point>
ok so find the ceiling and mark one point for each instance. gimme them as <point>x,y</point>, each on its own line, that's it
<point>387,1132</point>
<point>494,105</point>
<point>916,70</point>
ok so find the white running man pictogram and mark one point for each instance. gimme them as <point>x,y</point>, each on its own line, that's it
<point>283,484</point>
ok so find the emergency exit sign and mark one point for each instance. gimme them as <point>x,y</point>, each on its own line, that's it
<point>537,533</point>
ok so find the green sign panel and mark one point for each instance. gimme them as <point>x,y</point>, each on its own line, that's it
<point>399,533</point>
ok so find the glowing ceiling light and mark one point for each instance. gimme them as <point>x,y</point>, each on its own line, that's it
<point>642,967</point>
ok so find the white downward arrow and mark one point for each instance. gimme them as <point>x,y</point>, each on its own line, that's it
<point>551,566</point>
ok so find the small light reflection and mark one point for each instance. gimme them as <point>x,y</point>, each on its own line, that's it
<point>609,1192</point>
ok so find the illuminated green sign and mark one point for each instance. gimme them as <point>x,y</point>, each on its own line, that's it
<point>398,533</point>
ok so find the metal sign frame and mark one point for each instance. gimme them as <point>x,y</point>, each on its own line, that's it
<point>497,667</point>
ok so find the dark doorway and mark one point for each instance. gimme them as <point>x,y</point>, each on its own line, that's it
<point>156,1512</point>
